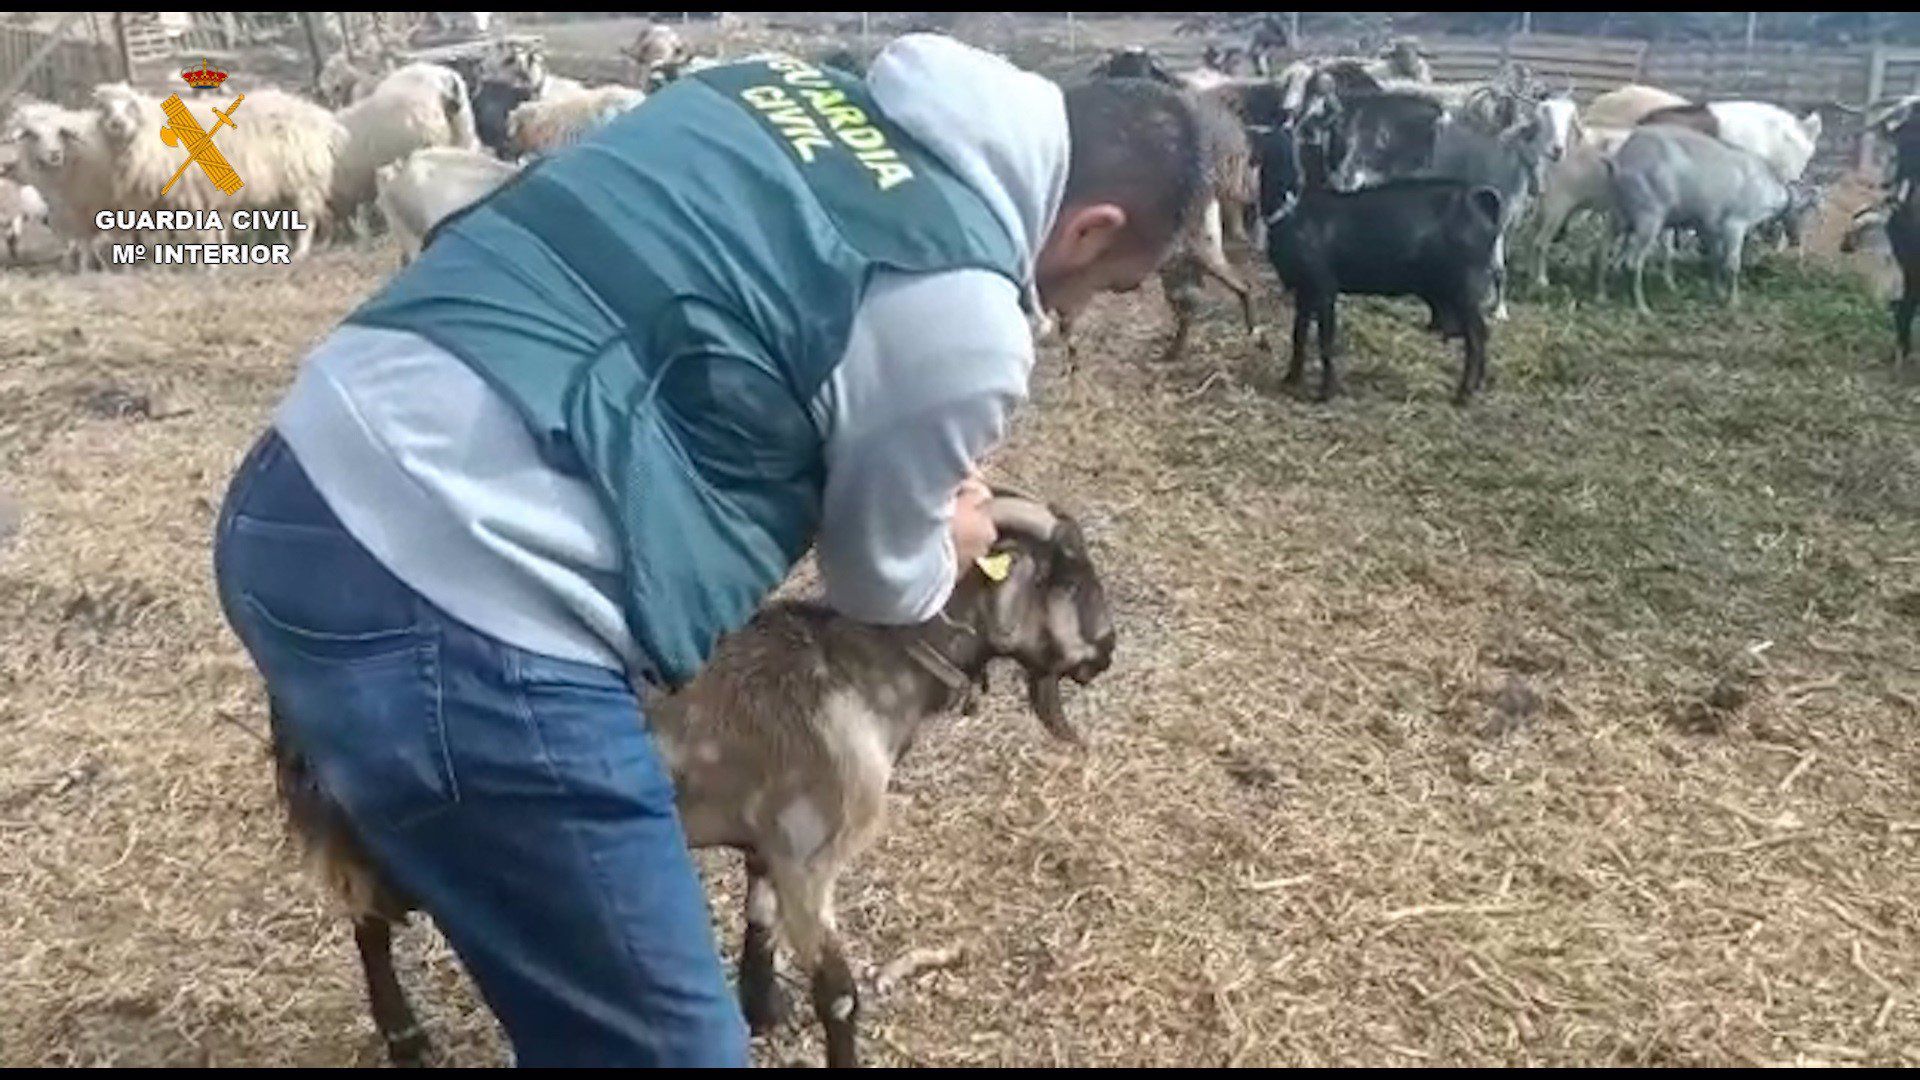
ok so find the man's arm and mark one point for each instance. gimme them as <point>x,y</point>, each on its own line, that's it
<point>936,366</point>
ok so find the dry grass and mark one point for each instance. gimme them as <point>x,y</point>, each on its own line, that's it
<point>1572,728</point>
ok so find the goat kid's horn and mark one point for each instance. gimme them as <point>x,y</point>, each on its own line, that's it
<point>1043,694</point>
<point>1022,514</point>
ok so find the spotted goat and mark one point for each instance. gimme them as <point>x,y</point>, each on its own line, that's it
<point>783,747</point>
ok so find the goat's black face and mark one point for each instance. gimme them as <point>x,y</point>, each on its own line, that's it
<point>1134,63</point>
<point>1049,612</point>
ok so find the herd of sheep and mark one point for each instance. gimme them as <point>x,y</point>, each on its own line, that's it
<point>327,156</point>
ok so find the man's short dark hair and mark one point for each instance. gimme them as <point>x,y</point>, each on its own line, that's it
<point>1136,144</point>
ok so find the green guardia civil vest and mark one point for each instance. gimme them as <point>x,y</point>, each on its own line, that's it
<point>663,301</point>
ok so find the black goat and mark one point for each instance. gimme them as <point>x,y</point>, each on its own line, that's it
<point>1433,239</point>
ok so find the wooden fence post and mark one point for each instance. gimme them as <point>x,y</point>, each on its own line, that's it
<point>126,53</point>
<point>1876,85</point>
<point>313,43</point>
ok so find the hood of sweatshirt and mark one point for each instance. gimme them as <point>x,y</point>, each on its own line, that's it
<point>1003,130</point>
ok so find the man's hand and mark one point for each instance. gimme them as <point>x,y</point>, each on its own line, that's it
<point>973,531</point>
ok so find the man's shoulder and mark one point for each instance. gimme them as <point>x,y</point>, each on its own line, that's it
<point>949,313</point>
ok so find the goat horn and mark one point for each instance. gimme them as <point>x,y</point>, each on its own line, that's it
<point>1022,514</point>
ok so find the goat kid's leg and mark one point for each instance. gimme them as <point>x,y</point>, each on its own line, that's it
<point>760,996</point>
<point>1180,281</point>
<point>1233,222</point>
<point>1499,277</point>
<point>1554,215</point>
<point>1329,339</point>
<point>1303,308</point>
<point>1903,310</point>
<point>1214,262</point>
<point>1473,360</point>
<point>1639,244</point>
<point>303,238</point>
<point>807,915</point>
<point>1729,249</point>
<point>407,1045</point>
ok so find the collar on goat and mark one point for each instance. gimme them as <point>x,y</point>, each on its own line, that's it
<point>939,666</point>
<point>948,661</point>
<point>1286,207</point>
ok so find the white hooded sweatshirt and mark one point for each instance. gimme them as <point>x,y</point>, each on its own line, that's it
<point>438,477</point>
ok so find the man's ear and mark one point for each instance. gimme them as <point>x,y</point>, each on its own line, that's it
<point>1085,233</point>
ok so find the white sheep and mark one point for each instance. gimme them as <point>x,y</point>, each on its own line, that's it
<point>63,155</point>
<point>419,105</point>
<point>282,146</point>
<point>419,192</point>
<point>285,152</point>
<point>658,54</point>
<point>341,82</point>
<point>139,163</point>
<point>19,204</point>
<point>1624,106</point>
<point>547,124</point>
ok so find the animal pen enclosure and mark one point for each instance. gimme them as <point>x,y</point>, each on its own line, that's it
<point>1799,78</point>
<point>1571,729</point>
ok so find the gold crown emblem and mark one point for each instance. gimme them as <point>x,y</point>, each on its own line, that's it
<point>205,78</point>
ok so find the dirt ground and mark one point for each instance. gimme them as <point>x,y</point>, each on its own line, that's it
<point>1571,728</point>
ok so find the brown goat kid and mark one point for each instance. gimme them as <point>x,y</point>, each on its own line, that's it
<point>783,747</point>
<point>1231,187</point>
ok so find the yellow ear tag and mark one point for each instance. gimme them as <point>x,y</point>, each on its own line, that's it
<point>996,567</point>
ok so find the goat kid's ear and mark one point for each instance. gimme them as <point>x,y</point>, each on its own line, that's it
<point>996,565</point>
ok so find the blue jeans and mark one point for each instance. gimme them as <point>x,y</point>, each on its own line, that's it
<point>515,797</point>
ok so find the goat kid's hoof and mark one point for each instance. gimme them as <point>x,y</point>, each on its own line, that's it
<point>768,1015</point>
<point>410,1049</point>
<point>766,1012</point>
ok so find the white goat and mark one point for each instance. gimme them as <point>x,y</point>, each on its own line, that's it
<point>419,105</point>
<point>1624,106</point>
<point>546,124</point>
<point>1768,132</point>
<point>19,205</point>
<point>342,82</point>
<point>419,192</point>
<point>63,155</point>
<point>1578,181</point>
